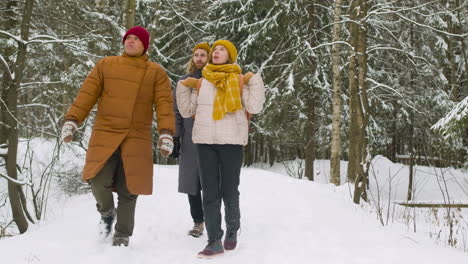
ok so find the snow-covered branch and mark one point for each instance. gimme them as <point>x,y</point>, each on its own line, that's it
<point>8,34</point>
<point>37,39</point>
<point>377,84</point>
<point>328,44</point>
<point>378,47</point>
<point>36,83</point>
<point>432,28</point>
<point>377,11</point>
<point>6,68</point>
<point>9,112</point>
<point>43,39</point>
<point>20,181</point>
<point>184,18</point>
<point>108,19</point>
<point>458,116</point>
<point>31,105</point>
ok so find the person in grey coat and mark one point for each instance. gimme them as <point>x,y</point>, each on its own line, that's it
<point>189,176</point>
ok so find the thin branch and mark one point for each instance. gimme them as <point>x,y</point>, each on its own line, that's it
<point>8,34</point>
<point>375,12</point>
<point>394,90</point>
<point>35,83</point>
<point>328,44</point>
<point>7,68</point>
<point>184,18</point>
<point>19,182</point>
<point>397,49</point>
<point>431,28</point>
<point>31,105</point>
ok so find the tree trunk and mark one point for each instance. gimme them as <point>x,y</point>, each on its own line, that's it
<point>10,23</point>
<point>310,143</point>
<point>464,50</point>
<point>394,145</point>
<point>337,83</point>
<point>354,157</point>
<point>362,106</point>
<point>248,153</point>
<point>453,85</point>
<point>271,152</point>
<point>13,193</point>
<point>310,146</point>
<point>411,132</point>
<point>130,14</point>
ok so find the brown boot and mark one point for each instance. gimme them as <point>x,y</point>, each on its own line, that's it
<point>213,249</point>
<point>197,230</point>
<point>230,241</point>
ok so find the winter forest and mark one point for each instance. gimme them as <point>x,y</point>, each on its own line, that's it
<point>348,82</point>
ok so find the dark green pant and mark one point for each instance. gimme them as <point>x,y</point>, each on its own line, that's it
<point>113,175</point>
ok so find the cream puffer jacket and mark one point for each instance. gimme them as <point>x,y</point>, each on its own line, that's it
<point>234,127</point>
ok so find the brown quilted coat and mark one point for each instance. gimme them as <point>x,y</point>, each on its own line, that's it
<point>126,89</point>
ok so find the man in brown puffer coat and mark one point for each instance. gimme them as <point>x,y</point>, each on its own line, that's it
<point>128,89</point>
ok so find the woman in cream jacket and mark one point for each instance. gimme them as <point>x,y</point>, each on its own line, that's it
<point>221,103</point>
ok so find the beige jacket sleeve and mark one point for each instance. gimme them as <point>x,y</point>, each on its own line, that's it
<point>186,100</point>
<point>253,95</point>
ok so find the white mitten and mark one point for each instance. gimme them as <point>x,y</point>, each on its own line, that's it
<point>68,129</point>
<point>165,144</point>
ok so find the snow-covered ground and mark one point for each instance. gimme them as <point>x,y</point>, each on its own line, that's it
<point>284,220</point>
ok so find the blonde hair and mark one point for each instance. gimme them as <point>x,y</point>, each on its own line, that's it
<point>190,68</point>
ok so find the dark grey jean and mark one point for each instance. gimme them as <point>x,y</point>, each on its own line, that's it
<point>113,175</point>
<point>220,167</point>
<point>196,207</point>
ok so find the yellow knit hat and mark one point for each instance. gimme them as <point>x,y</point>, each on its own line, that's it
<point>203,45</point>
<point>229,46</point>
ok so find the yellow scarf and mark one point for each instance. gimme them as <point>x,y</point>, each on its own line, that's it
<point>225,78</point>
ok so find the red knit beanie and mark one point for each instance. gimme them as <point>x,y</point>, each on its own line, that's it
<point>141,33</point>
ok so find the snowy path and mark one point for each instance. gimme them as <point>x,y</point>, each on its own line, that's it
<point>283,221</point>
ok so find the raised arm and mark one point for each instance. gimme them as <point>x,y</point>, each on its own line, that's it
<point>186,99</point>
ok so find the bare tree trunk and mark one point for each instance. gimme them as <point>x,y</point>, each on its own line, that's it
<point>10,22</point>
<point>14,195</point>
<point>394,145</point>
<point>411,177</point>
<point>453,85</point>
<point>155,24</point>
<point>310,146</point>
<point>130,14</point>
<point>271,152</point>
<point>337,83</point>
<point>411,132</point>
<point>354,157</point>
<point>248,153</point>
<point>363,110</point>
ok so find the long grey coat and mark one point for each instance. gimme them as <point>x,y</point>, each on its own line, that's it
<point>189,176</point>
